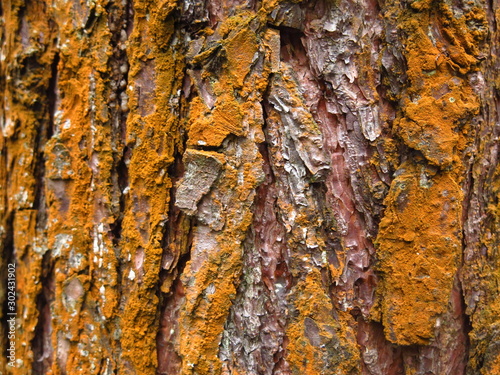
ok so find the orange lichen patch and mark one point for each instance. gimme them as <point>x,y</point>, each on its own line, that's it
<point>241,49</point>
<point>29,48</point>
<point>211,129</point>
<point>82,197</point>
<point>211,277</point>
<point>227,115</point>
<point>421,53</point>
<point>236,82</point>
<point>419,249</point>
<point>233,24</point>
<point>421,5</point>
<point>458,49</point>
<point>269,5</point>
<point>439,101</point>
<point>465,31</point>
<point>316,337</point>
<point>493,366</point>
<point>436,36</point>
<point>419,240</point>
<point>431,122</point>
<point>79,171</point>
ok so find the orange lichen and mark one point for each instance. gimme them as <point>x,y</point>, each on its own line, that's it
<point>241,49</point>
<point>92,301</point>
<point>211,129</point>
<point>315,333</point>
<point>419,248</point>
<point>419,239</point>
<point>438,100</point>
<point>235,23</point>
<point>431,122</point>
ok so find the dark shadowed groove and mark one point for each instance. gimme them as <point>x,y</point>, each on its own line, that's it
<point>44,133</point>
<point>173,261</point>
<point>466,326</point>
<point>171,299</point>
<point>52,93</point>
<point>169,362</point>
<point>119,23</point>
<point>41,344</point>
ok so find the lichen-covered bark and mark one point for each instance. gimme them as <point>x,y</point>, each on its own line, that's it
<point>243,187</point>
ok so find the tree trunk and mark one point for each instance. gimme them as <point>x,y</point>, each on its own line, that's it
<point>250,187</point>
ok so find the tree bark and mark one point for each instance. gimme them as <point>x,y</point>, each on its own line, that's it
<point>250,187</point>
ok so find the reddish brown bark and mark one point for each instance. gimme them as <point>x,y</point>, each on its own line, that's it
<point>243,187</point>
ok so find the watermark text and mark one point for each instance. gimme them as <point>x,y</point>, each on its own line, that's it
<point>11,314</point>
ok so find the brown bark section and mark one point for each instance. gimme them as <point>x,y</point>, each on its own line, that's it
<point>245,187</point>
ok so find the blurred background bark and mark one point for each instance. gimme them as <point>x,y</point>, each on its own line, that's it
<point>251,187</point>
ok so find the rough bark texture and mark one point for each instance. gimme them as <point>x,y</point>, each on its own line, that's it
<point>251,187</point>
